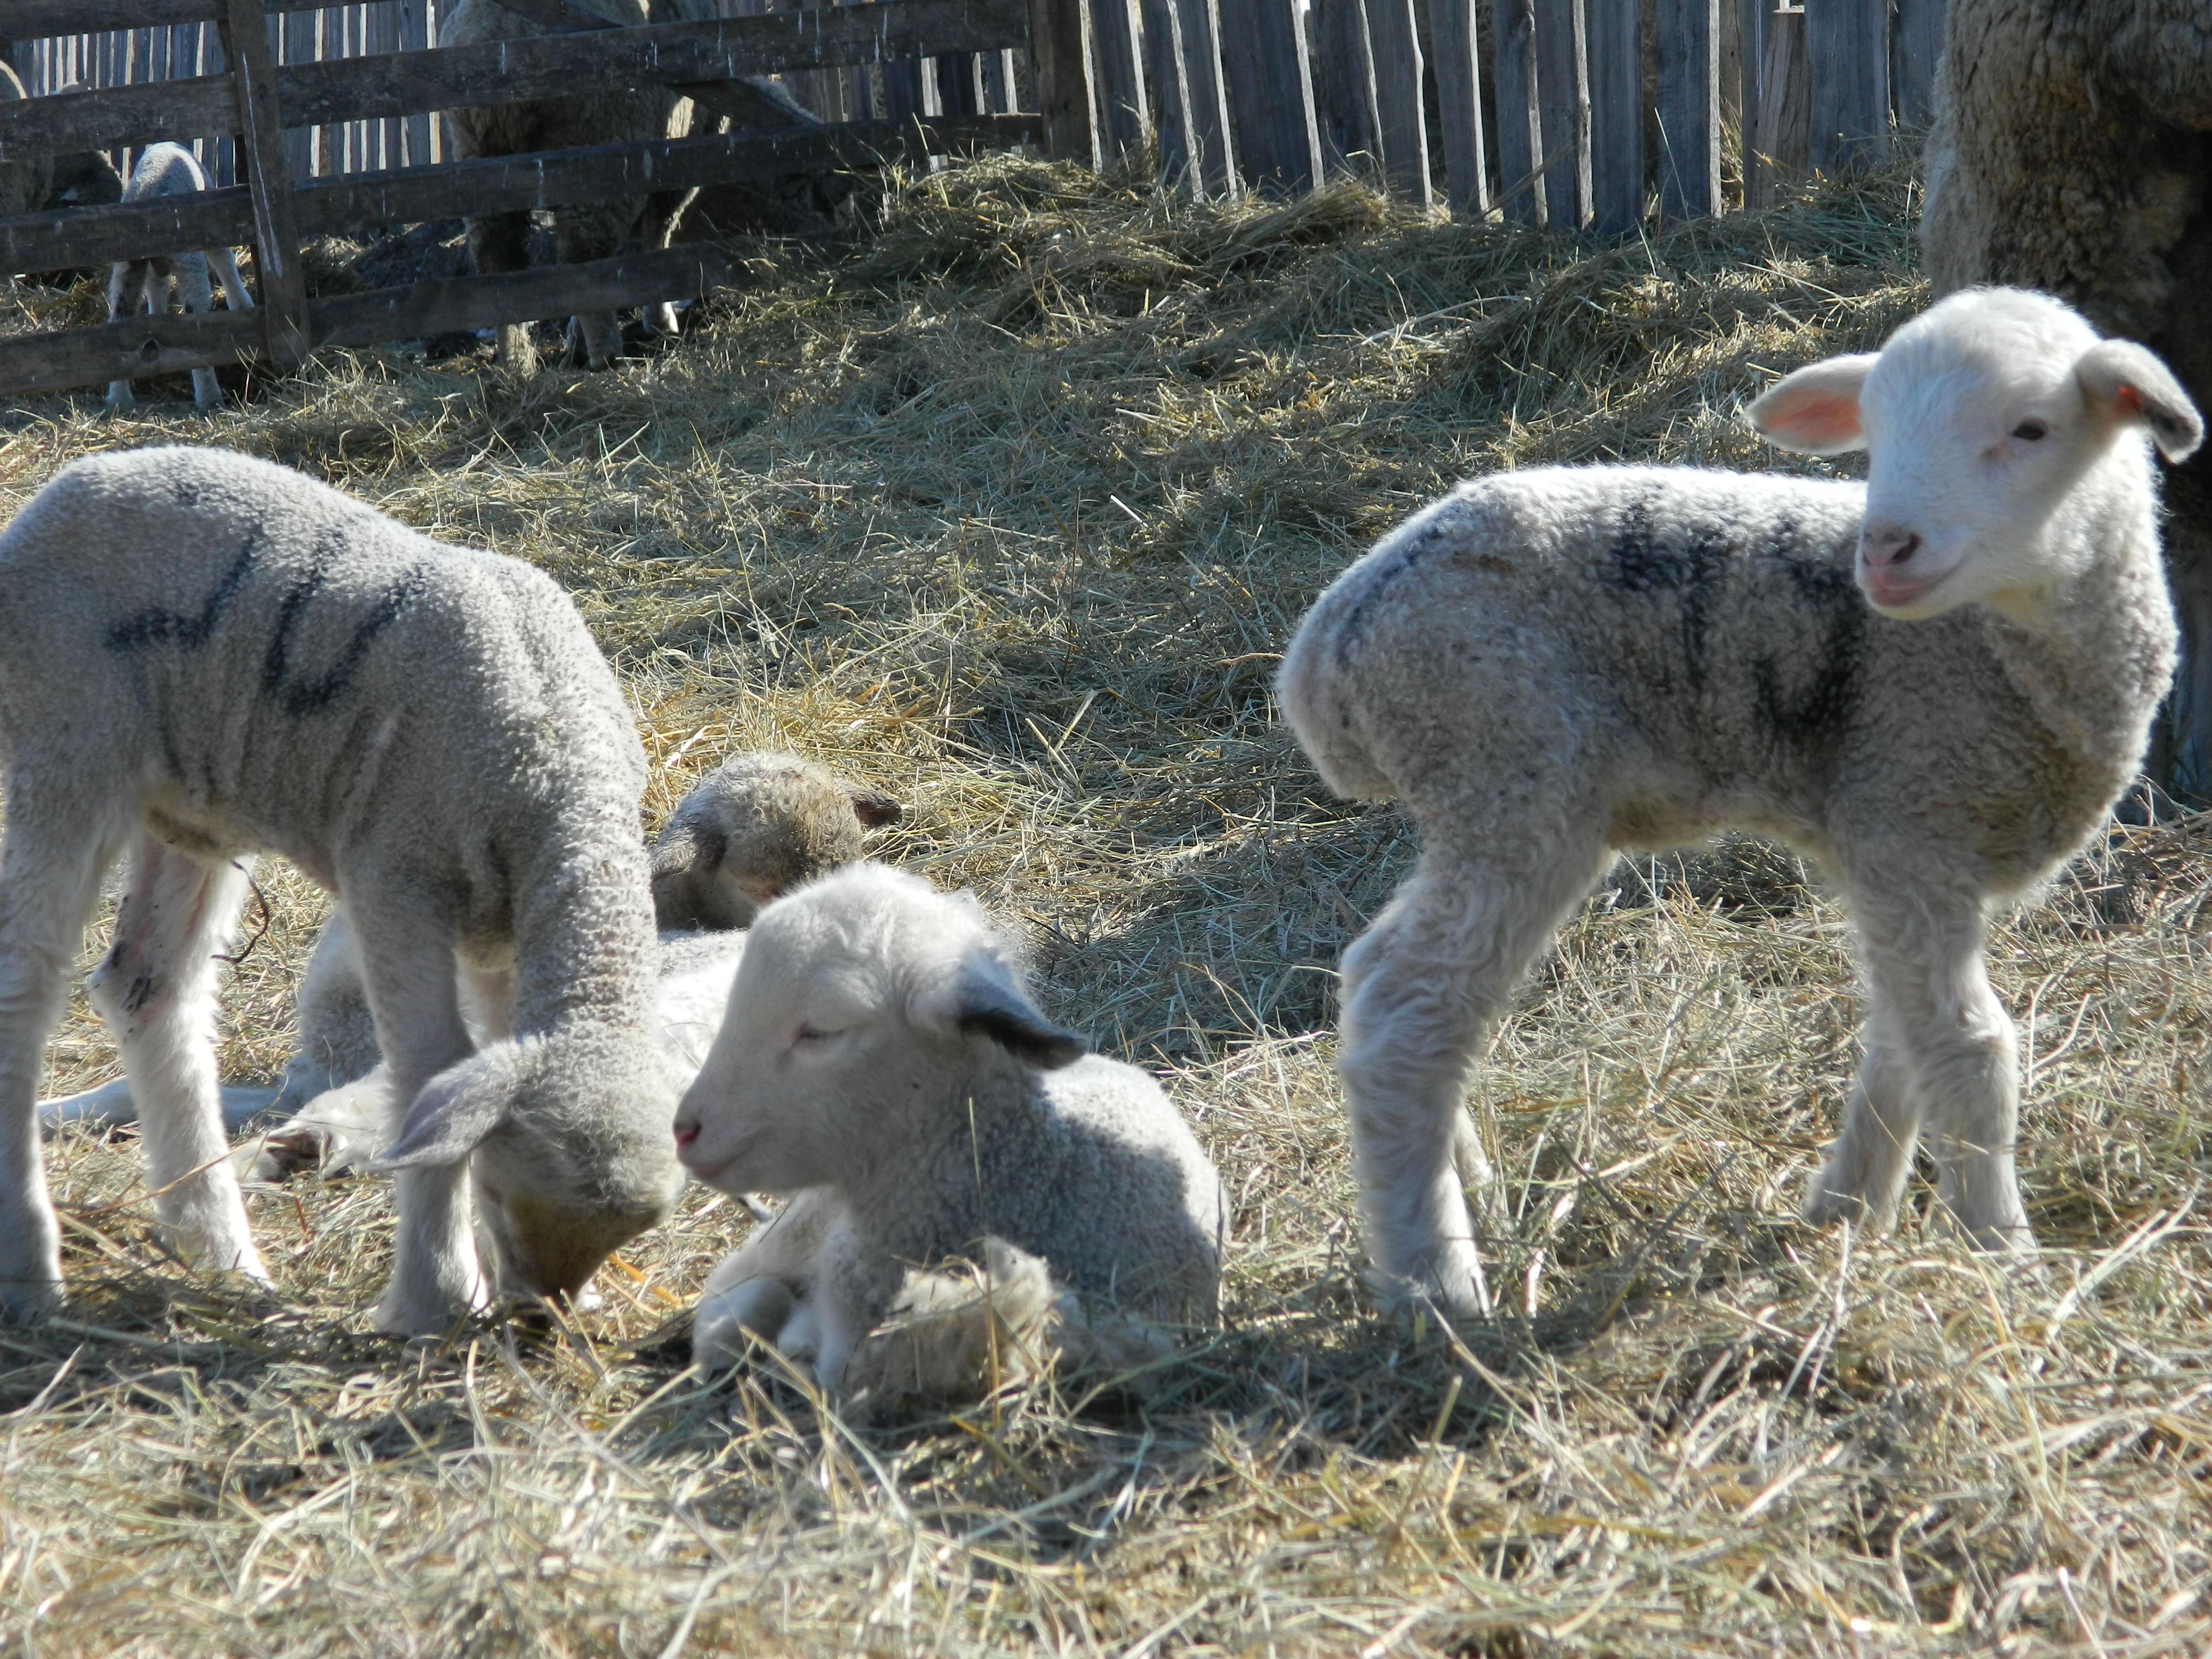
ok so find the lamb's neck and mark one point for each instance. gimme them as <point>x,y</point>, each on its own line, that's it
<point>584,945</point>
<point>930,1189</point>
<point>2092,661</point>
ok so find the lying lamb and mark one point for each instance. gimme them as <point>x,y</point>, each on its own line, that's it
<point>209,656</point>
<point>757,825</point>
<point>1551,665</point>
<point>142,285</point>
<point>881,1060</point>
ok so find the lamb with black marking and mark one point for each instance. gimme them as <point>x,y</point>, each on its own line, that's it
<point>881,1060</point>
<point>137,286</point>
<point>208,657</point>
<point>1936,684</point>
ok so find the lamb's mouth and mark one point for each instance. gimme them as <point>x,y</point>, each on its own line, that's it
<point>1886,592</point>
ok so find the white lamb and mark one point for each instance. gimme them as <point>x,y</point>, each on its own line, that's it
<point>208,656</point>
<point>142,285</point>
<point>881,1060</point>
<point>1550,666</point>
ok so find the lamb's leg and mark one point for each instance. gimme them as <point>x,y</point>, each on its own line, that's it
<point>500,242</point>
<point>1863,1175</point>
<point>1421,989</point>
<point>224,264</point>
<point>1924,950</point>
<point>49,871</point>
<point>581,234</point>
<point>198,296</point>
<point>156,989</point>
<point>408,964</point>
<point>129,284</point>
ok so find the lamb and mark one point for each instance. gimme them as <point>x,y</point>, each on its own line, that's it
<point>212,657</point>
<point>881,1060</point>
<point>86,178</point>
<point>2069,153</point>
<point>1550,666</point>
<point>142,285</point>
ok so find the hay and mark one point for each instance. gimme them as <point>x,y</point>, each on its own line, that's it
<point>1006,510</point>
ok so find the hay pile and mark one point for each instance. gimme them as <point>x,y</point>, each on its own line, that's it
<point>1007,511</point>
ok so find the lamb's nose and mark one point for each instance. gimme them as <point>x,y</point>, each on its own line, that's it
<point>1883,546</point>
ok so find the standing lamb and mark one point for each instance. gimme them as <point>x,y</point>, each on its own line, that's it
<point>881,1059</point>
<point>208,657</point>
<point>143,285</point>
<point>1550,666</point>
<point>2071,151</point>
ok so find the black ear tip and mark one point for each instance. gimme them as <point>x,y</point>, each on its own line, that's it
<point>873,809</point>
<point>1031,1041</point>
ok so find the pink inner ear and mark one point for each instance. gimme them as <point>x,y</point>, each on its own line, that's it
<point>1812,417</point>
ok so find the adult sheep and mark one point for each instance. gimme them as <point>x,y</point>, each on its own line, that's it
<point>2071,151</point>
<point>1551,666</point>
<point>207,656</point>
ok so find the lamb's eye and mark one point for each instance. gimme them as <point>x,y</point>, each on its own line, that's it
<point>2033,432</point>
<point>816,1034</point>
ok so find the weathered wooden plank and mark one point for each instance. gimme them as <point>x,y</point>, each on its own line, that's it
<point>1781,141</point>
<point>1212,137</point>
<point>1915,45</point>
<point>1395,49</point>
<point>1271,95</point>
<point>1124,123</point>
<point>1847,45</point>
<point>415,36</point>
<point>1563,79</point>
<point>1064,74</point>
<point>1168,80</point>
<point>163,343</point>
<point>1751,58</point>
<point>1689,109</point>
<point>33,20</point>
<point>1454,40</point>
<point>296,39</point>
<point>283,290</point>
<point>1616,100</point>
<point>1344,86</point>
<point>1520,129</point>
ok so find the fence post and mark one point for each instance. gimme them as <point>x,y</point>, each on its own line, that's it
<point>1689,109</point>
<point>1122,122</point>
<point>1785,98</point>
<point>1847,45</point>
<point>1916,47</point>
<point>1454,40</point>
<point>1167,78</point>
<point>1344,85</point>
<point>1213,148</point>
<point>261,145</point>
<point>1271,99</point>
<point>1520,129</point>
<point>1616,100</point>
<point>1563,75</point>
<point>1393,47</point>
<point>1060,53</point>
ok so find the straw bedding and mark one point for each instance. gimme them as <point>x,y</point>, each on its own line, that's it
<point>1005,508</point>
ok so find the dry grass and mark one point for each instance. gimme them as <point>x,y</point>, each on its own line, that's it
<point>1006,511</point>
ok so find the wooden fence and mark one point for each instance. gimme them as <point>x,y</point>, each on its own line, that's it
<point>322,119</point>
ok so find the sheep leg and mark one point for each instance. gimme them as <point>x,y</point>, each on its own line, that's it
<point>579,234</point>
<point>198,296</point>
<point>49,871</point>
<point>129,292</point>
<point>1421,990</point>
<point>1863,1175</point>
<point>500,242</point>
<point>407,963</point>
<point>224,264</point>
<point>156,989</point>
<point>1923,954</point>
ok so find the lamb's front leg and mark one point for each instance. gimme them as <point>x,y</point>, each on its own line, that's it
<point>1864,1175</point>
<point>407,963</point>
<point>156,989</point>
<point>49,871</point>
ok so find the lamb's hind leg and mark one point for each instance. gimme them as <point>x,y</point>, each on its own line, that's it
<point>197,291</point>
<point>129,292</point>
<point>49,871</point>
<point>156,989</point>
<point>1422,989</point>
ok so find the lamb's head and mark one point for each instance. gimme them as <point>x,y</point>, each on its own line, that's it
<point>867,1007</point>
<point>2002,436</point>
<point>754,828</point>
<point>566,1136</point>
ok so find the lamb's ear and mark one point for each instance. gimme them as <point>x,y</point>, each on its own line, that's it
<point>982,999</point>
<point>687,844</point>
<point>456,1110</point>
<point>2127,383</point>
<point>873,809</point>
<point>1815,410</point>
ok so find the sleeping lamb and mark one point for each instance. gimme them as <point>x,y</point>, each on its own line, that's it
<point>208,657</point>
<point>1936,684</point>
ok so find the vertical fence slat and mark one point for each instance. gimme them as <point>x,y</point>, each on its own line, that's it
<point>1344,86</point>
<point>1616,96</point>
<point>1785,102</point>
<point>1520,134</point>
<point>1689,109</point>
<point>1395,49</point>
<point>1563,96</point>
<point>1847,45</point>
<point>1271,100</point>
<point>1916,45</point>
<point>1060,57</point>
<point>415,36</point>
<point>1118,60</point>
<point>276,230</point>
<point>1167,79</point>
<point>1213,141</point>
<point>1454,43</point>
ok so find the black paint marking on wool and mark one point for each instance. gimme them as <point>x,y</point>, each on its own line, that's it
<point>301,695</point>
<point>155,626</point>
<point>1691,569</point>
<point>1817,711</point>
<point>1371,590</point>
